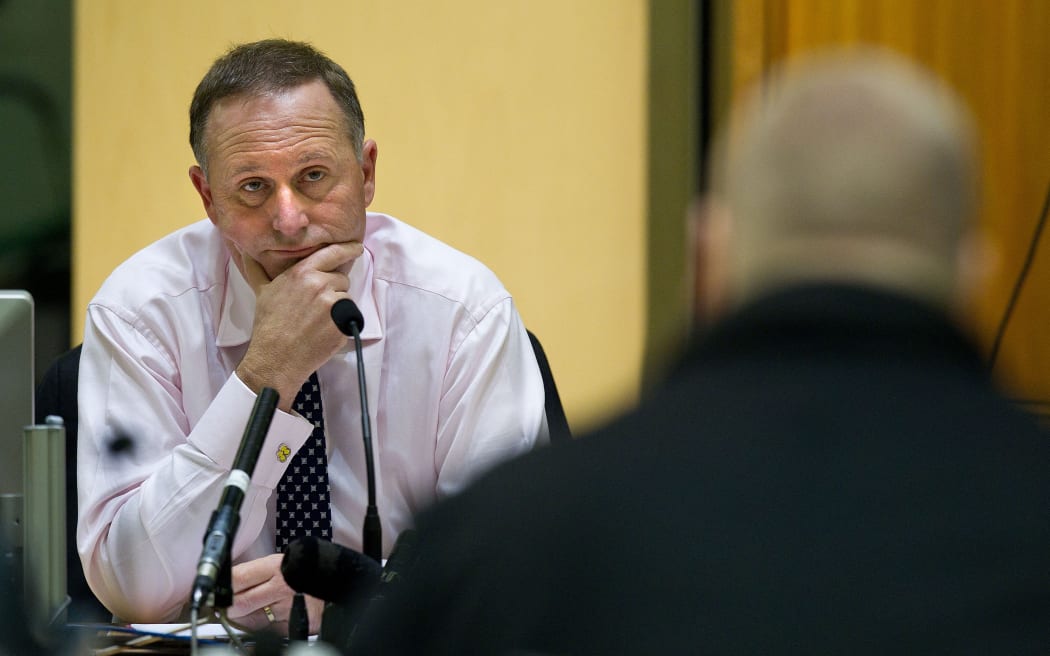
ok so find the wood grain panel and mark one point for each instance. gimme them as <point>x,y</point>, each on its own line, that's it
<point>997,56</point>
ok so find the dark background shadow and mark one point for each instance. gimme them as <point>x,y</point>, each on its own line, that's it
<point>36,162</point>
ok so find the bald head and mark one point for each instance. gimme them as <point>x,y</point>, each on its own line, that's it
<point>848,167</point>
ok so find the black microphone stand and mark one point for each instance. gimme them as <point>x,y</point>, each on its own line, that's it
<point>221,599</point>
<point>213,585</point>
<point>350,321</point>
<point>372,538</point>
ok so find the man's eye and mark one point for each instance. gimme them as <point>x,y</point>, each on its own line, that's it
<point>252,186</point>
<point>313,176</point>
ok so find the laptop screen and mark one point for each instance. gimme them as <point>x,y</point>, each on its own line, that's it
<point>17,383</point>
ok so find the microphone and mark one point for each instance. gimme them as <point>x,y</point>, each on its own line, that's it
<point>339,624</point>
<point>345,314</point>
<point>224,521</point>
<point>298,620</point>
<point>329,571</point>
<point>351,582</point>
<point>348,318</point>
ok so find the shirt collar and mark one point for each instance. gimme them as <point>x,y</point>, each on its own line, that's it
<point>238,303</point>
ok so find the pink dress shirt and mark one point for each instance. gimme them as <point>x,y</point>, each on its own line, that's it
<point>453,388</point>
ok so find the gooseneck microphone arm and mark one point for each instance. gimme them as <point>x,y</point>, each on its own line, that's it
<point>351,322</point>
<point>218,539</point>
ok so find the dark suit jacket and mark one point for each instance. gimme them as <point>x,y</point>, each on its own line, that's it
<point>829,471</point>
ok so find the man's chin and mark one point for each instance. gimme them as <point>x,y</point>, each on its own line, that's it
<point>275,269</point>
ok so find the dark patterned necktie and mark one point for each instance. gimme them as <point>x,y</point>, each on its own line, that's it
<point>303,506</point>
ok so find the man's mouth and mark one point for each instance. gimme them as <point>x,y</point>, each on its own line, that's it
<point>295,253</point>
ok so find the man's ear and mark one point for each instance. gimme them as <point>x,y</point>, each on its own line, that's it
<point>200,183</point>
<point>369,154</point>
<point>978,260</point>
<point>710,231</point>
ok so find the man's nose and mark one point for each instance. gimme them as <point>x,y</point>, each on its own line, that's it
<point>290,216</point>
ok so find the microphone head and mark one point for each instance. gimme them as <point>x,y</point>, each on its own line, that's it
<point>328,571</point>
<point>344,313</point>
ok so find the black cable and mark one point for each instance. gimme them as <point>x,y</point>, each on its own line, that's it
<point>1029,258</point>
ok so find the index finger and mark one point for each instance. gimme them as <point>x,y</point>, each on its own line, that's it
<point>333,256</point>
<point>256,572</point>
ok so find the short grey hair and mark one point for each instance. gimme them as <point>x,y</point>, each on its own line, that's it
<point>266,67</point>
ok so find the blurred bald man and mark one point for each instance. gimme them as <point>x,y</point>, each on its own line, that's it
<point>829,470</point>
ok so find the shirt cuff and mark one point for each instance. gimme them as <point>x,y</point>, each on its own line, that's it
<point>219,432</point>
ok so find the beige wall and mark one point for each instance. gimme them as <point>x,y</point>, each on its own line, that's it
<point>514,130</point>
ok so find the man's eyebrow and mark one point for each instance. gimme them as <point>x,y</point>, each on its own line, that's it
<point>302,159</point>
<point>312,155</point>
<point>245,168</point>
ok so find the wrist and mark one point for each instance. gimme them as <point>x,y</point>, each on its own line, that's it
<point>257,377</point>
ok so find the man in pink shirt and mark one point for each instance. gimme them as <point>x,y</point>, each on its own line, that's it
<point>183,335</point>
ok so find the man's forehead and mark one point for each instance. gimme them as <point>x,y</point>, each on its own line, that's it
<point>309,94</point>
<point>307,127</point>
